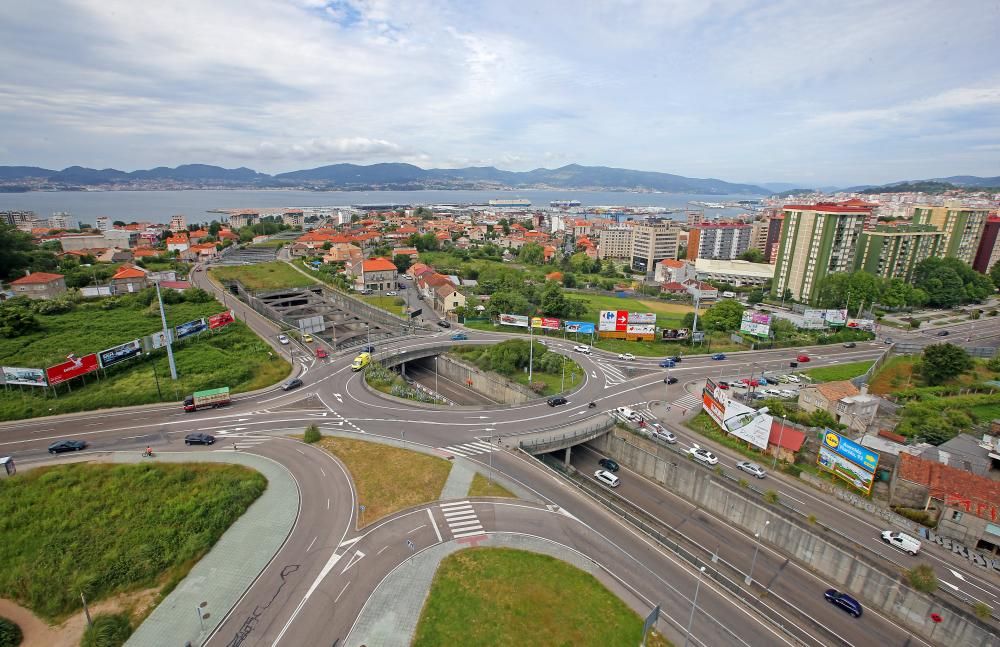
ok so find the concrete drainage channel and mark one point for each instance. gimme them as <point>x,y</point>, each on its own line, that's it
<point>785,617</point>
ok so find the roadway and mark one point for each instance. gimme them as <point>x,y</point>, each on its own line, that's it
<point>278,601</point>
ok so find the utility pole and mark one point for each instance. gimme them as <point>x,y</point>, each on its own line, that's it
<point>531,350</point>
<point>166,335</point>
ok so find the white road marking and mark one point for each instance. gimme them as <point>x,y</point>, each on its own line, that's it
<point>357,557</point>
<point>433,523</point>
<point>459,535</point>
<point>337,599</point>
<point>424,525</point>
<point>334,558</point>
<point>311,544</point>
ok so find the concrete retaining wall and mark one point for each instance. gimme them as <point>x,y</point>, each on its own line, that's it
<point>843,564</point>
<point>862,503</point>
<point>493,386</point>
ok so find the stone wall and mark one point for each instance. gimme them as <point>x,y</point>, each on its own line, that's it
<point>493,386</point>
<point>844,564</point>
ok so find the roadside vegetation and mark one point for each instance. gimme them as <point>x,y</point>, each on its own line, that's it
<point>838,372</point>
<point>10,633</point>
<point>232,356</point>
<point>108,630</point>
<point>262,276</point>
<point>481,486</point>
<point>108,529</point>
<point>388,479</point>
<point>510,359</point>
<point>499,596</point>
<point>385,380</point>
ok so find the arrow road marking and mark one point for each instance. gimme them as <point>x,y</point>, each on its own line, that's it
<point>358,556</point>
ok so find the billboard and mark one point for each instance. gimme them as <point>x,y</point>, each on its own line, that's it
<point>641,317</point>
<point>613,320</point>
<point>220,320</point>
<point>861,324</point>
<point>157,340</point>
<point>813,319</point>
<point>23,376</point>
<point>836,317</point>
<point>120,353</point>
<point>514,320</point>
<point>585,327</point>
<point>756,323</point>
<point>675,333</point>
<point>751,425</point>
<point>640,329</point>
<point>191,328</point>
<point>317,324</point>
<point>712,402</point>
<point>75,367</point>
<point>548,323</point>
<point>848,460</point>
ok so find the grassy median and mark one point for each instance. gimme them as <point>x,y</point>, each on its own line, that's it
<point>481,486</point>
<point>497,596</point>
<point>101,530</point>
<point>263,276</point>
<point>389,479</point>
<point>839,371</point>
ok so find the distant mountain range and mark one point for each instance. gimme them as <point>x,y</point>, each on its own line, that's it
<point>933,185</point>
<point>389,176</point>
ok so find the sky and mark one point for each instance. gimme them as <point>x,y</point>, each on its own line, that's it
<point>812,93</point>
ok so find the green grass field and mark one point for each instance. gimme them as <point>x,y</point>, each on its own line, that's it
<point>264,276</point>
<point>233,356</point>
<point>499,596</point>
<point>481,486</point>
<point>668,315</point>
<point>392,305</point>
<point>839,371</point>
<point>107,529</point>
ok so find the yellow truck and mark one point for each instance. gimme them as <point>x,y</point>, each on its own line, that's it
<point>361,361</point>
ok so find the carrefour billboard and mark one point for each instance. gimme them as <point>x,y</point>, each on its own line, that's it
<point>613,321</point>
<point>848,460</point>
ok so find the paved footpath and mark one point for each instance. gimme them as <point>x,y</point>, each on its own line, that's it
<point>200,602</point>
<point>389,617</point>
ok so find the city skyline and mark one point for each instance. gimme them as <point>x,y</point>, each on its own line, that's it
<point>746,92</point>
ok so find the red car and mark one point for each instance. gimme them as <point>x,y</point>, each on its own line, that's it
<point>723,385</point>
<point>320,353</point>
<point>750,382</point>
<point>803,358</point>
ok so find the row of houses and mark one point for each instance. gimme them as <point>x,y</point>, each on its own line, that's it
<point>128,279</point>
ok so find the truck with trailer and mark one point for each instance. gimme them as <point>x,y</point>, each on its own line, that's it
<point>209,398</point>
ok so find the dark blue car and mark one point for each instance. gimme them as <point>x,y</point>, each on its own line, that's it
<point>844,601</point>
<point>668,363</point>
<point>719,356</point>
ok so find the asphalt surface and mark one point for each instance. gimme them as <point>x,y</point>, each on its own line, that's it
<point>311,593</point>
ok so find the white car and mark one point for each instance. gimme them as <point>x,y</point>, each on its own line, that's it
<point>774,393</point>
<point>703,455</point>
<point>794,379</point>
<point>283,340</point>
<point>788,393</point>
<point>753,469</point>
<point>407,277</point>
<point>627,414</point>
<point>660,433</point>
<point>582,349</point>
<point>607,478</point>
<point>391,293</point>
<point>628,356</point>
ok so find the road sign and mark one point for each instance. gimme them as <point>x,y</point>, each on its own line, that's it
<point>416,313</point>
<point>411,545</point>
<point>361,507</point>
<point>650,622</point>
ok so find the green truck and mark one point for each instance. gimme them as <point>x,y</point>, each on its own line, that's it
<point>208,398</point>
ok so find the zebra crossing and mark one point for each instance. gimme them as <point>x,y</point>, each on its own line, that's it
<point>461,519</point>
<point>226,439</point>
<point>689,401</point>
<point>469,449</point>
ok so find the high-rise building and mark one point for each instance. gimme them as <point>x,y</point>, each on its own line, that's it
<point>720,241</point>
<point>773,238</point>
<point>816,240</point>
<point>651,243</point>
<point>59,220</point>
<point>18,218</point>
<point>892,251</point>
<point>243,219</point>
<point>758,235</point>
<point>615,242</point>
<point>103,223</point>
<point>989,246</point>
<point>178,223</point>
<point>962,228</point>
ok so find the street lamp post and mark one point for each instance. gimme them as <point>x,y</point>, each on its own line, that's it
<point>749,577</point>
<point>694,606</point>
<point>781,432</point>
<point>155,377</point>
<point>491,458</point>
<point>402,437</point>
<point>436,375</point>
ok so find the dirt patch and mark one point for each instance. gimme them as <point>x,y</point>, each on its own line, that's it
<point>38,633</point>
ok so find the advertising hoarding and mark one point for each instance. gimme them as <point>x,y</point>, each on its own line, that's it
<point>75,367</point>
<point>548,323</point>
<point>861,324</point>
<point>613,320</point>
<point>712,402</point>
<point>514,320</point>
<point>220,320</point>
<point>157,340</point>
<point>580,326</point>
<point>675,333</point>
<point>836,317</point>
<point>640,329</point>
<point>23,376</point>
<point>119,353</point>
<point>756,323</point>
<point>751,425</point>
<point>848,460</point>
<point>191,328</point>
<point>641,317</point>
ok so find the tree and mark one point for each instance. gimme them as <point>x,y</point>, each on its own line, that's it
<point>995,273</point>
<point>753,255</point>
<point>756,296</point>
<point>119,223</point>
<point>682,251</point>
<point>16,319</point>
<point>15,248</point>
<point>949,282</point>
<point>942,362</point>
<point>531,254</point>
<point>402,262</point>
<point>569,280</point>
<point>724,316</point>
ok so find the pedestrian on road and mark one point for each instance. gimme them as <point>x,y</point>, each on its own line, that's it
<point>235,448</point>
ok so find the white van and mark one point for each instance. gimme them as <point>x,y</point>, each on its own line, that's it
<point>607,478</point>
<point>626,413</point>
<point>902,541</point>
<point>728,295</point>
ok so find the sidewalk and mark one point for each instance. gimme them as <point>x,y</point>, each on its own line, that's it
<point>221,577</point>
<point>390,616</point>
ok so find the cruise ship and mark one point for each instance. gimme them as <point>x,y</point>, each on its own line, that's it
<point>513,202</point>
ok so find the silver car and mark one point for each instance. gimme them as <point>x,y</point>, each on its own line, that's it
<point>753,469</point>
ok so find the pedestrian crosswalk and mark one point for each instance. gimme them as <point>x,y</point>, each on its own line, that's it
<point>689,401</point>
<point>469,449</point>
<point>461,519</point>
<point>226,441</point>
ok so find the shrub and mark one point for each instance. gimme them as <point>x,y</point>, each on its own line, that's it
<point>538,387</point>
<point>108,630</point>
<point>920,516</point>
<point>922,578</point>
<point>771,496</point>
<point>312,434</point>
<point>982,610</point>
<point>914,323</point>
<point>811,519</point>
<point>10,633</point>
<point>743,483</point>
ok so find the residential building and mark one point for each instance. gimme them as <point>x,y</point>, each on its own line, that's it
<point>718,241</point>
<point>75,242</point>
<point>614,242</point>
<point>39,285</point>
<point>103,223</point>
<point>376,274</point>
<point>582,228</point>
<point>701,291</point>
<point>962,228</point>
<point>242,219</point>
<point>893,251</point>
<point>988,252</point>
<point>447,298</point>
<point>178,243</point>
<point>129,279</point>
<point>673,287</point>
<point>759,230</point>
<point>178,223</point>
<point>651,243</point>
<point>816,240</point>
<point>20,219</point>
<point>121,238</point>
<point>59,220</point>
<point>293,218</point>
<point>773,238</point>
<point>671,270</point>
<point>738,273</point>
<point>842,400</point>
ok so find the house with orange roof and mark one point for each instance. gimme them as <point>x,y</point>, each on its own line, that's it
<point>203,251</point>
<point>554,276</point>
<point>582,228</point>
<point>443,237</point>
<point>375,274</point>
<point>129,278</point>
<point>343,253</point>
<point>144,252</point>
<point>406,251</point>
<point>226,234</point>
<point>196,235</point>
<point>39,285</point>
<point>670,270</point>
<point>447,298</point>
<point>549,252</point>
<point>178,243</point>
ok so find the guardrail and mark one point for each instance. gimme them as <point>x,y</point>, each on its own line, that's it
<point>550,443</point>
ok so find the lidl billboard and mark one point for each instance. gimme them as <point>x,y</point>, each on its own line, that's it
<point>848,460</point>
